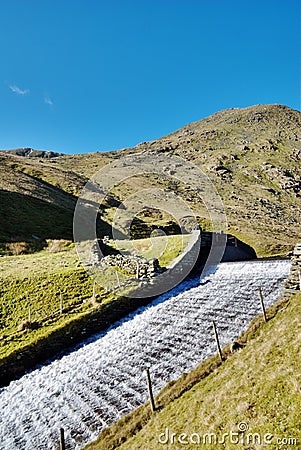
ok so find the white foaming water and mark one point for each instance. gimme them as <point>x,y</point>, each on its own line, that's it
<point>102,380</point>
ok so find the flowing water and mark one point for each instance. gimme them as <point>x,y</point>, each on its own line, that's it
<point>103,378</point>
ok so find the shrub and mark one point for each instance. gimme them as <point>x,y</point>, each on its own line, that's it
<point>18,248</point>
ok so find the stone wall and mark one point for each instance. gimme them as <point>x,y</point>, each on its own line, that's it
<point>293,283</point>
<point>133,265</point>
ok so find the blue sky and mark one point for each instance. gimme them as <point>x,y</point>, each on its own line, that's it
<point>93,75</point>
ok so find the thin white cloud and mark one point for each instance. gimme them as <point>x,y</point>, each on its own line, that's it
<point>48,100</point>
<point>18,90</point>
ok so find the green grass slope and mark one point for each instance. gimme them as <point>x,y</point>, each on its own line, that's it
<point>256,390</point>
<point>34,283</point>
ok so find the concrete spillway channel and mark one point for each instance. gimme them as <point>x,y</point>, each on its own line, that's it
<point>103,379</point>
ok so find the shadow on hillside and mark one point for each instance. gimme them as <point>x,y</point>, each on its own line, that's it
<point>27,218</point>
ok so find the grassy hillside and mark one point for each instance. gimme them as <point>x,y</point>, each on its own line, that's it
<point>257,389</point>
<point>252,155</point>
<point>31,285</point>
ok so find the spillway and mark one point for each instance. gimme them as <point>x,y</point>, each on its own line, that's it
<point>102,379</point>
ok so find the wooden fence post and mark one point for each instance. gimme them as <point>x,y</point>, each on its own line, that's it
<point>262,304</point>
<point>137,271</point>
<point>62,439</point>
<point>61,303</point>
<point>118,280</point>
<point>150,391</point>
<point>217,341</point>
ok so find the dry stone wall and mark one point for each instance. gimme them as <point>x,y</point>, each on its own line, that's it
<point>293,283</point>
<point>134,265</point>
